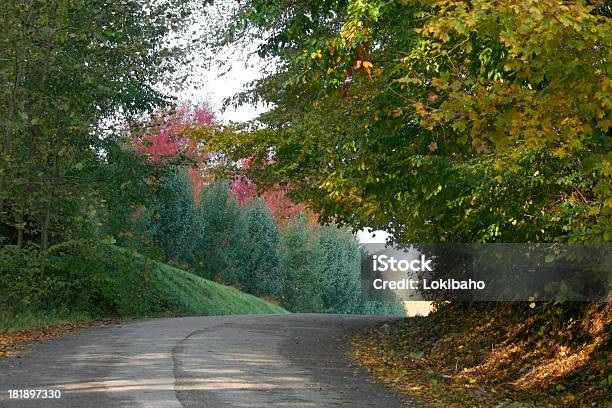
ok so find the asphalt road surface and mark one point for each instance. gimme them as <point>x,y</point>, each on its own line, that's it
<point>295,361</point>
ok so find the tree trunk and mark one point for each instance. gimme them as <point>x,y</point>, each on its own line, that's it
<point>44,231</point>
<point>20,228</point>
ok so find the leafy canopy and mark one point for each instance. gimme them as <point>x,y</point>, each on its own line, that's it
<point>438,121</point>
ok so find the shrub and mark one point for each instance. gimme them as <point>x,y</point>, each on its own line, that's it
<point>80,277</point>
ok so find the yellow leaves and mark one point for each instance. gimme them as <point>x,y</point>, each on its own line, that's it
<point>349,35</point>
<point>366,65</point>
<point>499,179</point>
<point>420,109</point>
<point>397,112</point>
<point>604,124</point>
<point>438,84</point>
<point>316,54</point>
<point>498,165</point>
<point>593,211</point>
<point>12,343</point>
<point>569,398</point>
<point>559,152</point>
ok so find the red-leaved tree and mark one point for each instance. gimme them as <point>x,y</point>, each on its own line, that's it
<point>280,205</point>
<point>162,138</point>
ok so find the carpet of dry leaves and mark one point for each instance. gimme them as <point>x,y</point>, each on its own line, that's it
<point>16,343</point>
<point>496,355</point>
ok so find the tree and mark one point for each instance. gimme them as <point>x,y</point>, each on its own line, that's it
<point>69,67</point>
<point>445,121</point>
<point>281,207</point>
<point>320,272</point>
<point>300,268</point>
<point>223,234</point>
<point>170,220</point>
<point>341,270</point>
<point>261,263</point>
<point>162,139</point>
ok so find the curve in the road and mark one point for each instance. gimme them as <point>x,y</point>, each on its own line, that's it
<point>284,361</point>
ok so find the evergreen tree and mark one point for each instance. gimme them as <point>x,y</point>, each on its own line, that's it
<point>169,221</point>
<point>223,234</point>
<point>341,261</point>
<point>261,265</point>
<point>300,286</point>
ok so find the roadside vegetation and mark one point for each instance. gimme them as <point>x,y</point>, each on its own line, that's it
<point>440,122</point>
<point>447,122</point>
<point>108,211</point>
<point>76,282</point>
<point>236,240</point>
<point>492,355</point>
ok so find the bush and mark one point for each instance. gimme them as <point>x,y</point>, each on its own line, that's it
<point>79,277</point>
<point>21,278</point>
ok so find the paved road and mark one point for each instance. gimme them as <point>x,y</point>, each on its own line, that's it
<point>286,361</point>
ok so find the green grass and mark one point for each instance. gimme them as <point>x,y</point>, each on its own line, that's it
<point>190,294</point>
<point>83,284</point>
<point>199,296</point>
<point>28,320</point>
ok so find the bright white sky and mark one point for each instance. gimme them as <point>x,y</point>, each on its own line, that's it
<point>215,87</point>
<point>212,84</point>
<point>374,237</point>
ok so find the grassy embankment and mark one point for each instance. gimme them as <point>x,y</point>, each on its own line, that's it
<point>111,282</point>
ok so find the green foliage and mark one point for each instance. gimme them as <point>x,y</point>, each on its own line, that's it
<point>306,268</point>
<point>320,271</point>
<point>27,320</point>
<point>20,278</point>
<point>136,182</point>
<point>340,281</point>
<point>223,234</point>
<point>70,69</point>
<point>301,269</point>
<point>80,277</point>
<point>439,122</point>
<point>169,220</point>
<point>86,280</point>
<point>261,261</point>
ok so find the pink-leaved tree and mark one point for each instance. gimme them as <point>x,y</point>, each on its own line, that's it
<point>162,138</point>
